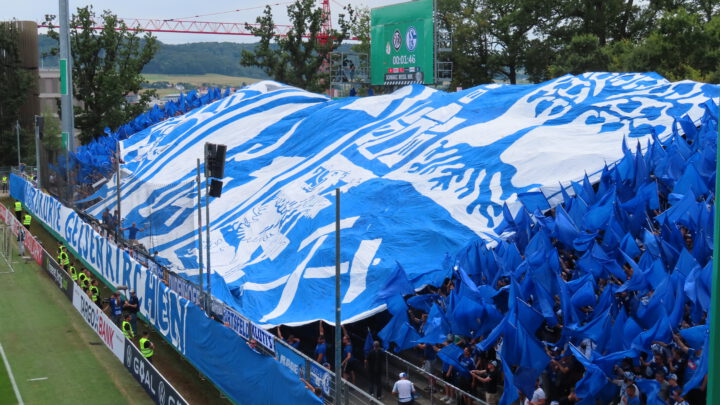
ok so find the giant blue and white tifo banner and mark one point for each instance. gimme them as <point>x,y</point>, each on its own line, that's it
<point>421,172</point>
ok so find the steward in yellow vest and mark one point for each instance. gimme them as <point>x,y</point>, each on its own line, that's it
<point>18,210</point>
<point>146,346</point>
<point>128,330</point>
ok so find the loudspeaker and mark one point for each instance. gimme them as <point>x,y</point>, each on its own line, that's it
<point>40,123</point>
<point>215,188</point>
<point>215,160</point>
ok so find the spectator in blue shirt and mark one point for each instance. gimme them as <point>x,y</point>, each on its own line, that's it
<point>348,360</point>
<point>116,307</point>
<point>132,232</point>
<point>291,340</point>
<point>321,347</point>
<point>463,376</point>
<point>632,397</point>
<point>107,220</point>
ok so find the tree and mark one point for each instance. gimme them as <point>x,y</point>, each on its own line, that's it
<point>512,23</point>
<point>359,27</point>
<point>583,54</point>
<point>106,69</point>
<point>52,138</point>
<point>15,85</point>
<point>294,59</point>
<point>470,54</point>
<point>682,46</point>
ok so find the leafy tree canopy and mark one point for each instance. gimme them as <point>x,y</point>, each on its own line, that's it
<point>106,69</point>
<point>295,59</point>
<point>15,85</point>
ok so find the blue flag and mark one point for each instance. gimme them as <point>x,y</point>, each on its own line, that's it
<point>584,296</point>
<point>510,393</point>
<point>596,329</point>
<point>651,389</point>
<point>702,368</point>
<point>565,228</point>
<point>528,316</point>
<point>593,380</point>
<point>397,285</point>
<point>695,336</point>
<point>691,181</point>
<point>450,354</point>
<point>599,214</point>
<point>422,302</point>
<point>436,328</point>
<point>534,200</point>
<point>368,343</point>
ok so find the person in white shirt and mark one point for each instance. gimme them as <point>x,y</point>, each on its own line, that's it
<point>404,390</point>
<point>538,397</point>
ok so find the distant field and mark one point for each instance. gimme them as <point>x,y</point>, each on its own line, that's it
<point>199,80</point>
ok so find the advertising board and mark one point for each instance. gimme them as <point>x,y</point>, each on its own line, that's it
<point>320,377</point>
<point>288,358</point>
<point>32,246</point>
<point>61,278</point>
<point>151,380</point>
<point>402,44</point>
<point>108,332</point>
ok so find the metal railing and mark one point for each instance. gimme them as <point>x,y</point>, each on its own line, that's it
<point>435,389</point>
<point>311,370</point>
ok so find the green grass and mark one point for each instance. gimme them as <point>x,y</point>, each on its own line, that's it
<point>7,395</point>
<point>43,336</point>
<point>176,369</point>
<point>199,80</point>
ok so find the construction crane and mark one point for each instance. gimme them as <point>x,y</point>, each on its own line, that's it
<point>209,27</point>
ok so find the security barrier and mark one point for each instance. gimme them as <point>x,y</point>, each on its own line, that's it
<point>157,387</point>
<point>180,321</point>
<point>428,385</point>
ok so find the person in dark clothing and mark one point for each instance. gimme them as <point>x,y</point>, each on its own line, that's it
<point>375,365</point>
<point>132,306</point>
<point>490,379</point>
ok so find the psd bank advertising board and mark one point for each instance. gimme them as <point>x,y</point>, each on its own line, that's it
<point>402,44</point>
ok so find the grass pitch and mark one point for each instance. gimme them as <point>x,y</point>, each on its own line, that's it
<point>55,357</point>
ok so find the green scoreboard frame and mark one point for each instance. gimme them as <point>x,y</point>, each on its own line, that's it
<point>402,44</point>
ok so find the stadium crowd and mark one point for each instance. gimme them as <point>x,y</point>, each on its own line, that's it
<point>602,298</point>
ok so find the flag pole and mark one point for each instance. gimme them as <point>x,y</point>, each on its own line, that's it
<point>338,342</point>
<point>713,390</point>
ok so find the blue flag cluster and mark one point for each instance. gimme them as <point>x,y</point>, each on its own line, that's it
<point>421,173</point>
<point>621,264</point>
<point>93,161</point>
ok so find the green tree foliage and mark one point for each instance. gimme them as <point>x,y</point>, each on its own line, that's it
<point>471,42</point>
<point>502,39</point>
<point>512,23</point>
<point>583,54</point>
<point>15,85</point>
<point>293,58</point>
<point>203,57</point>
<point>106,69</point>
<point>681,47</point>
<point>52,139</point>
<point>359,27</point>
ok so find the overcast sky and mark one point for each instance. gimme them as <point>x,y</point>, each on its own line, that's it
<point>36,10</point>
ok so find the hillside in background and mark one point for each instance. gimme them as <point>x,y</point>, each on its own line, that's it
<point>185,59</point>
<point>201,58</point>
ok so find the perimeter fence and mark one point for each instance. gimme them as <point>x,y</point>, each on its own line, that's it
<point>155,384</point>
<point>431,387</point>
<point>296,361</point>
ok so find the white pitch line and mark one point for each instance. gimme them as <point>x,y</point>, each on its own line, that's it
<point>12,378</point>
<point>38,379</point>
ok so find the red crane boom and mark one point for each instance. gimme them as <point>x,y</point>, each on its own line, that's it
<point>210,27</point>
